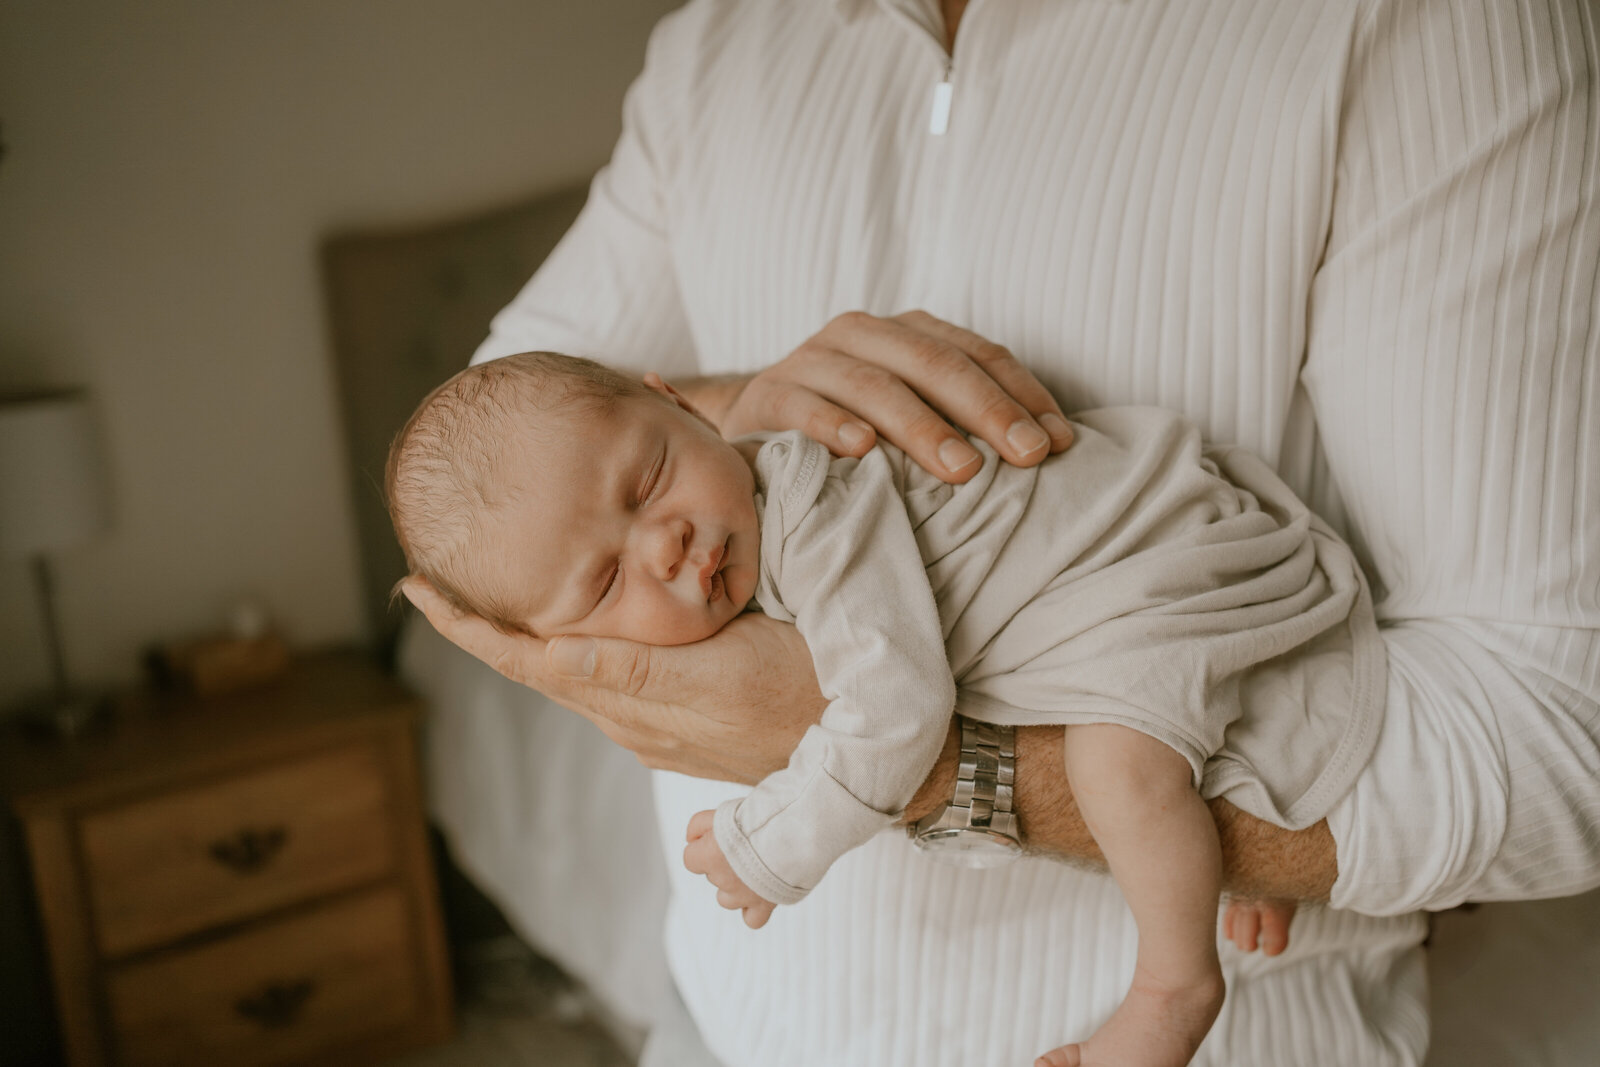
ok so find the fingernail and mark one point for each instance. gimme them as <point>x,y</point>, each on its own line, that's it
<point>572,656</point>
<point>1056,427</point>
<point>851,434</point>
<point>957,455</point>
<point>1026,438</point>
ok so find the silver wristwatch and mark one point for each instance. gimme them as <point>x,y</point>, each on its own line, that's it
<point>977,828</point>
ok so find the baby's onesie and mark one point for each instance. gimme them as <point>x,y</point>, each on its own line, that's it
<point>1139,578</point>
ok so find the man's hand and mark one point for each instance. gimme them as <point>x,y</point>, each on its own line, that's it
<point>731,707</point>
<point>704,856</point>
<point>901,377</point>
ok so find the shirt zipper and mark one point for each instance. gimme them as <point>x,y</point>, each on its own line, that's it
<point>939,118</point>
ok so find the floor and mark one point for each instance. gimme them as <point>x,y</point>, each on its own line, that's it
<point>516,1009</point>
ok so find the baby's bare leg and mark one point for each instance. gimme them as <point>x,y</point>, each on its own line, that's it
<point>1139,801</point>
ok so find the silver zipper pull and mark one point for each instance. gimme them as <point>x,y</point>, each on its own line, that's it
<point>939,120</point>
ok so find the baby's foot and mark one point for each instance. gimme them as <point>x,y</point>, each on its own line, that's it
<point>1155,1026</point>
<point>1248,923</point>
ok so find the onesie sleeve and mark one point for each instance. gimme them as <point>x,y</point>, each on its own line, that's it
<point>850,574</point>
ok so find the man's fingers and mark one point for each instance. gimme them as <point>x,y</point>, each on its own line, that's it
<point>905,379</point>
<point>972,381</point>
<point>624,667</point>
<point>1008,372</point>
<point>425,598</point>
<point>788,402</point>
<point>510,654</point>
<point>829,391</point>
<point>557,669</point>
<point>651,675</point>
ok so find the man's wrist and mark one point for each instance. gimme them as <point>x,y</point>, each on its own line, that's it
<point>1047,813</point>
<point>1259,858</point>
<point>940,785</point>
<point>1040,788</point>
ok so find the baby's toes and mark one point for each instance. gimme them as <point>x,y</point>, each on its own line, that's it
<point>1275,920</point>
<point>1243,924</point>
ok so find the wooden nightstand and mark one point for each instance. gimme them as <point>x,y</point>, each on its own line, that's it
<point>240,881</point>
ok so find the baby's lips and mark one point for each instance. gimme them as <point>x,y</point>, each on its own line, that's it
<point>709,571</point>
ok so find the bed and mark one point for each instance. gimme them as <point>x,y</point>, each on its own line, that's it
<point>554,823</point>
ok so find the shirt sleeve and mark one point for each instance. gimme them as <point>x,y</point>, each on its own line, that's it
<point>852,576</point>
<point>608,290</point>
<point>1454,373</point>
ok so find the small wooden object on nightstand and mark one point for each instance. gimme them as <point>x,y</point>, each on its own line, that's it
<point>242,880</point>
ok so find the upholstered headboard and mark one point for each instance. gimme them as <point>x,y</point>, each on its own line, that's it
<point>407,307</point>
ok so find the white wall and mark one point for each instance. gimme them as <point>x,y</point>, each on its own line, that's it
<point>171,166</point>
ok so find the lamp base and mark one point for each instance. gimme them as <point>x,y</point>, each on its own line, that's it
<point>66,716</point>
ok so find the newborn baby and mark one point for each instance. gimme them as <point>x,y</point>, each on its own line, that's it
<point>1198,631</point>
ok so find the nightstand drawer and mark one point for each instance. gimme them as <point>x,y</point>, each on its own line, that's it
<point>281,994</point>
<point>192,859</point>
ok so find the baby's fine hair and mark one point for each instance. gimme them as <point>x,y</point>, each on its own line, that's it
<point>452,465</point>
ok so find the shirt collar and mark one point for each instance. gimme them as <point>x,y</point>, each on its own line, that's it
<point>848,9</point>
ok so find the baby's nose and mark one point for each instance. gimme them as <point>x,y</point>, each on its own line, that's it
<point>670,549</point>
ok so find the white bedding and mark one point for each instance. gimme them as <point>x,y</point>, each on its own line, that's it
<point>556,825</point>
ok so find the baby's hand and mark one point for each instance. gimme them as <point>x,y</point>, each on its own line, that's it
<point>1247,921</point>
<point>704,856</point>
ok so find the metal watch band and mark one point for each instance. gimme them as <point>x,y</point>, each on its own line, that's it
<point>981,807</point>
<point>984,778</point>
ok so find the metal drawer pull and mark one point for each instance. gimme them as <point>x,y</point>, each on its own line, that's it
<point>250,849</point>
<point>278,1004</point>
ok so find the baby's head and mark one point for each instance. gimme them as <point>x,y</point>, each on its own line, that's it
<point>553,495</point>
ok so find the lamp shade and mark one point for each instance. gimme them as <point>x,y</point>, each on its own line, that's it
<point>53,491</point>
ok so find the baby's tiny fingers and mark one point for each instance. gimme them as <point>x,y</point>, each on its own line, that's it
<point>699,856</point>
<point>756,915</point>
<point>700,824</point>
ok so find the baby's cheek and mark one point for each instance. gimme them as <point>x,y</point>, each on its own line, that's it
<point>672,623</point>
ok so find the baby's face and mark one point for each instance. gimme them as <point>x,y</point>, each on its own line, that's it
<point>640,524</point>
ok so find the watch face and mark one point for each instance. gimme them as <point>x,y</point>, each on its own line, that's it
<point>977,849</point>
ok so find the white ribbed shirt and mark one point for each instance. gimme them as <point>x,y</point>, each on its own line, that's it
<point>1358,237</point>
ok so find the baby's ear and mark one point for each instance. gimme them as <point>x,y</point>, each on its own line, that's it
<point>654,381</point>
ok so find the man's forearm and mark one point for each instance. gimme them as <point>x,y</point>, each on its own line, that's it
<point>1258,858</point>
